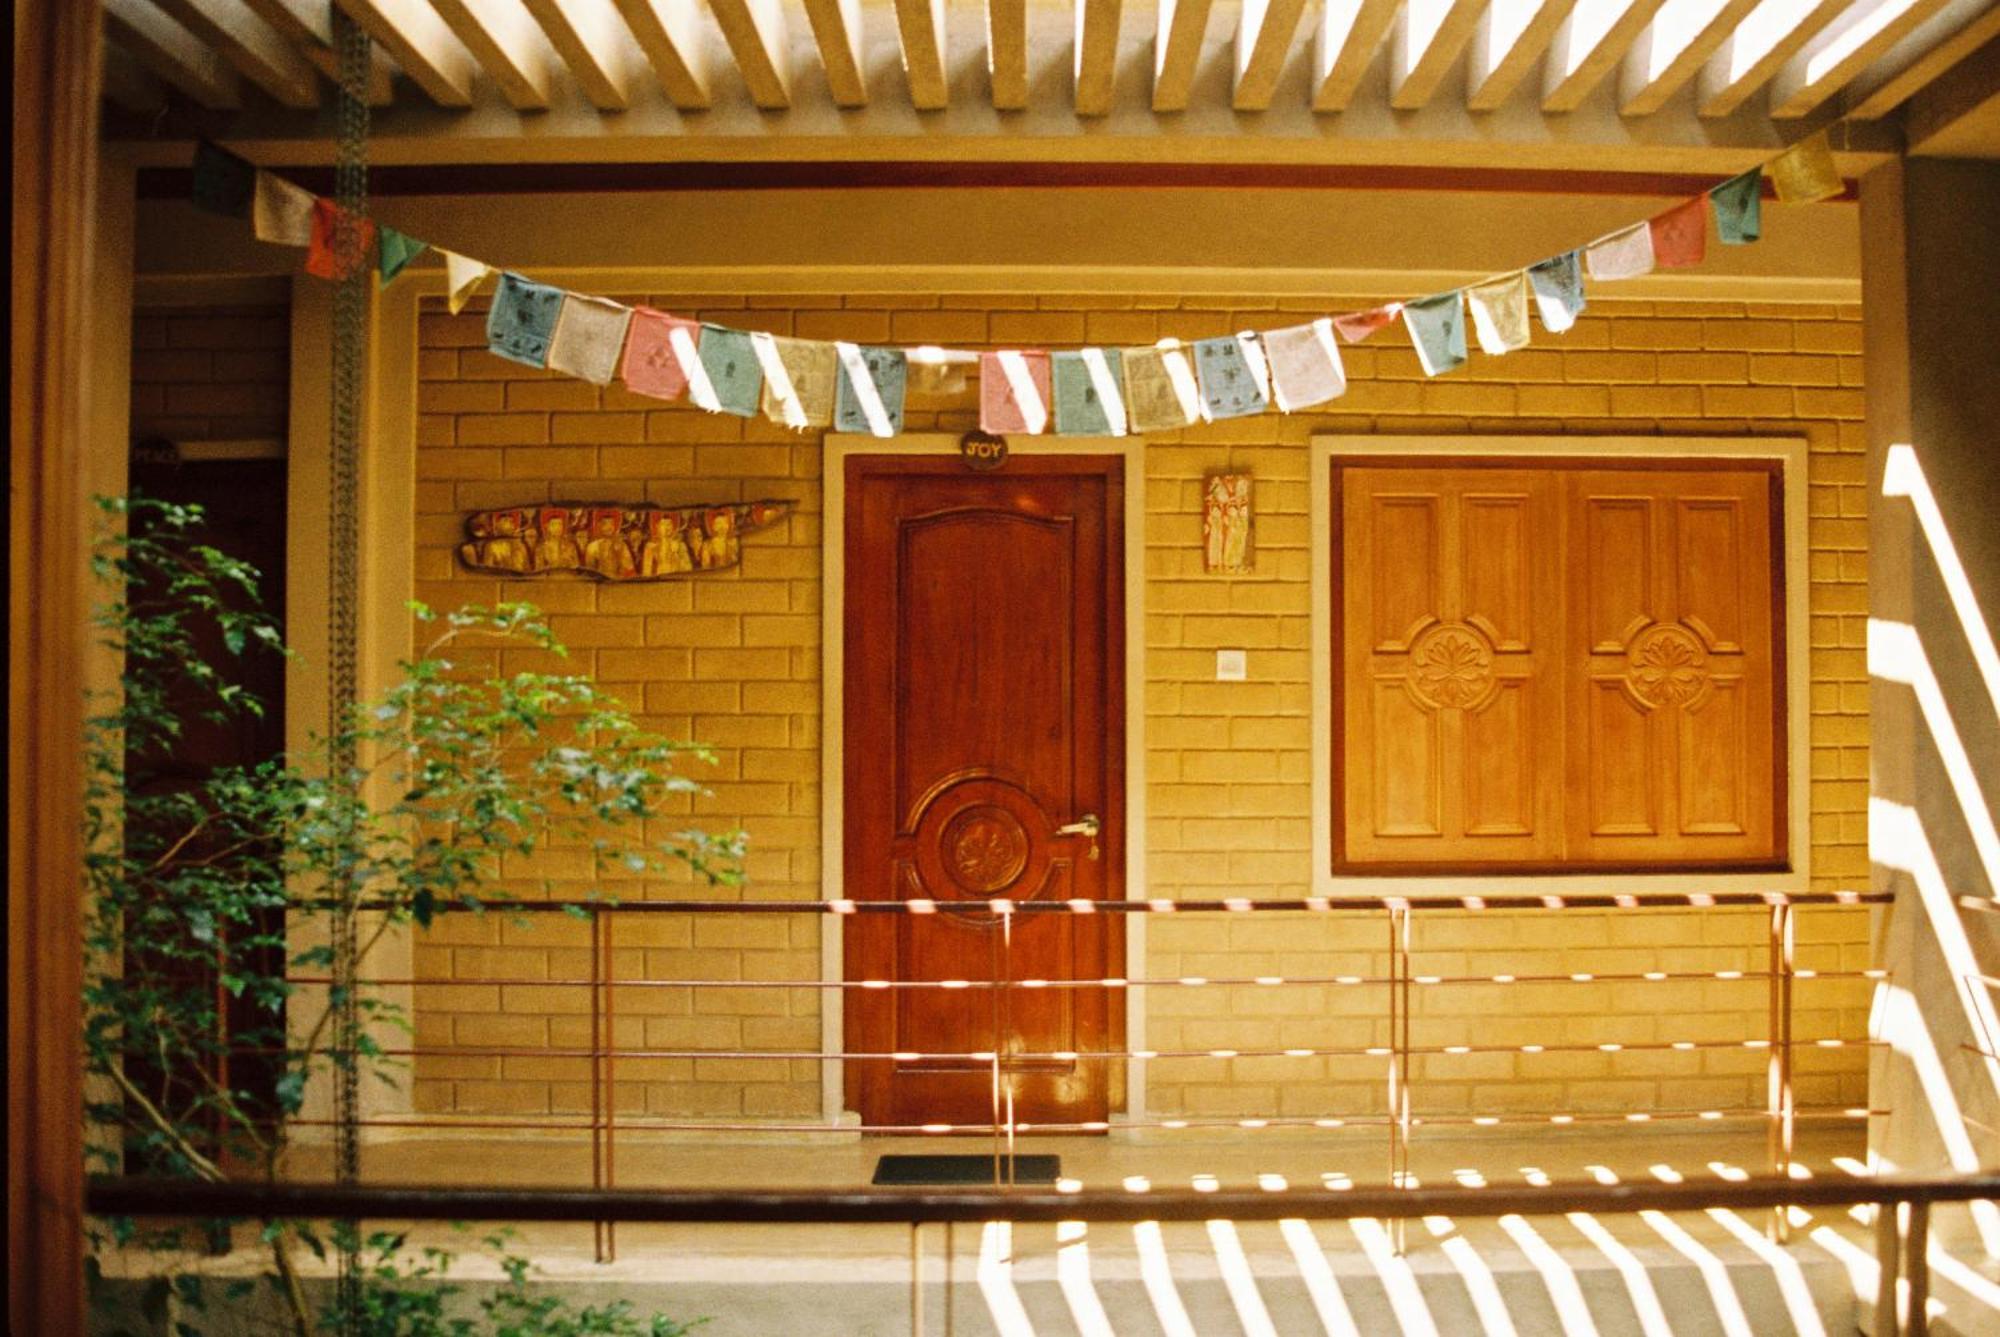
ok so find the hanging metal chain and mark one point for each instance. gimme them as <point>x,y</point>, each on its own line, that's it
<point>349,352</point>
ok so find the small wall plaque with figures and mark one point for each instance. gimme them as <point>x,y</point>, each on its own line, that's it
<point>1225,525</point>
<point>606,540</point>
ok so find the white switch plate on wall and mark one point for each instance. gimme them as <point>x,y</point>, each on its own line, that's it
<point>1231,665</point>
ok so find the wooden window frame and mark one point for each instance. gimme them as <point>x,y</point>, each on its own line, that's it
<point>1785,457</point>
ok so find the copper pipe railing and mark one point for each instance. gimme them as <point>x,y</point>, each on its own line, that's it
<point>1399,1119</point>
<point>1902,1210</point>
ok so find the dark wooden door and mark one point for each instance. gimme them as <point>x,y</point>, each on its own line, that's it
<point>984,710</point>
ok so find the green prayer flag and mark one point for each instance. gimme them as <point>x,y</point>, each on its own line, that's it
<point>1738,204</point>
<point>223,182</point>
<point>397,250</point>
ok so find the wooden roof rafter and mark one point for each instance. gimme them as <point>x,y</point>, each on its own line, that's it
<point>1685,74</point>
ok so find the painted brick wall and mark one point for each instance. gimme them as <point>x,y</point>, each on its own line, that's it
<point>733,659</point>
<point>210,373</point>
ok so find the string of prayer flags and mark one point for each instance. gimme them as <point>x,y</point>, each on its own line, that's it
<point>223,183</point>
<point>1680,235</point>
<point>801,377</point>
<point>1437,328</point>
<point>589,335</point>
<point>655,365</point>
<point>522,320</point>
<point>462,277</point>
<point>1500,313</point>
<point>1358,325</point>
<point>1305,365</point>
<point>1092,391</point>
<point>733,374</point>
<point>872,382</point>
<point>395,250</point>
<point>1160,390</point>
<point>342,242</point>
<point>1014,392</point>
<point>281,212</point>
<point>1558,286</point>
<point>1234,382</point>
<point>1625,254</point>
<point>1805,172</point>
<point>1088,398</point>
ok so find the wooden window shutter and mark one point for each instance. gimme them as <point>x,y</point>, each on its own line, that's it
<point>1557,667</point>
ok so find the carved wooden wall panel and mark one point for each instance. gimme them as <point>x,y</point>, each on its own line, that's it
<point>1448,662</point>
<point>1557,666</point>
<point>1677,664</point>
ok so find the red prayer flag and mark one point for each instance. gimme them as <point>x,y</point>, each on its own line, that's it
<point>1358,325</point>
<point>1003,407</point>
<point>651,366</point>
<point>326,256</point>
<point>1680,235</point>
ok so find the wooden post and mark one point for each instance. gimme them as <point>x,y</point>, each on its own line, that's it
<point>56,78</point>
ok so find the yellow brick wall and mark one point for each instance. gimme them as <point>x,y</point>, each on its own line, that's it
<point>733,659</point>
<point>210,373</point>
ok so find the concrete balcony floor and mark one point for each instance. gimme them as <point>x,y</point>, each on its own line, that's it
<point>1677,1274</point>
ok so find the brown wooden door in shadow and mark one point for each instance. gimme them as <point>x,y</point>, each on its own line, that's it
<point>984,711</point>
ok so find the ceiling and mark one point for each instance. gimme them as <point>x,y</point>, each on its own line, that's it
<point>1618,85</point>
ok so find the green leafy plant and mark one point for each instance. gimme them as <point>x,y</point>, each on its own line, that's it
<point>210,893</point>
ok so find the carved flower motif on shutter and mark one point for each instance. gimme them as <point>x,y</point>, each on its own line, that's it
<point>1667,667</point>
<point>1451,667</point>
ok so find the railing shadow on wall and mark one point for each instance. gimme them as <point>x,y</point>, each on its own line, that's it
<point>1933,841</point>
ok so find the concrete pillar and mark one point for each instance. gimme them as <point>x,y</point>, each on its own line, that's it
<point>1931,302</point>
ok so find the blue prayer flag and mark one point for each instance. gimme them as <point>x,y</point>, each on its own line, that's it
<point>522,320</point>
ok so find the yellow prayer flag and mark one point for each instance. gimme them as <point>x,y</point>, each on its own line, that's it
<point>1805,172</point>
<point>462,274</point>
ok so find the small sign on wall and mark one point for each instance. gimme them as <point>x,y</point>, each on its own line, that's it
<point>1227,548</point>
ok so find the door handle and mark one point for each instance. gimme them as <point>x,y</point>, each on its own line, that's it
<point>1086,825</point>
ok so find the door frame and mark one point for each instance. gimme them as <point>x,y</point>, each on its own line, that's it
<point>1791,619</point>
<point>835,450</point>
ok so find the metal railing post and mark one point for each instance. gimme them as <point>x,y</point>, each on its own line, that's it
<point>598,1044</point>
<point>1778,1065</point>
<point>605,921</point>
<point>1917,1268</point>
<point>1888,1263</point>
<point>1399,1058</point>
<point>916,1279</point>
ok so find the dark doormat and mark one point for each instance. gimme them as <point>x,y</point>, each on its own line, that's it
<point>965,1169</point>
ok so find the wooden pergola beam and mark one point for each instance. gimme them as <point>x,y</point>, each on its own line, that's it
<point>920,29</point>
<point>1349,34</point>
<point>1672,50</point>
<point>1592,40</point>
<point>755,31</point>
<point>593,43</point>
<point>1877,93</point>
<point>305,26</point>
<point>172,53</point>
<point>670,33</point>
<point>1751,55</point>
<point>1511,37</point>
<point>1970,88</point>
<point>251,46</point>
<point>507,46</point>
<point>1264,32</point>
<point>1096,55</point>
<point>836,27</point>
<point>130,85</point>
<point>1425,43</point>
<point>421,44</point>
<point>1183,24</point>
<point>1842,50</point>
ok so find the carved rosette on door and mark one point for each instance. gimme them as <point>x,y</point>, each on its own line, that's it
<point>979,838</point>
